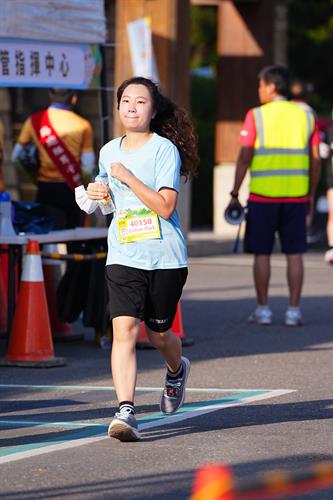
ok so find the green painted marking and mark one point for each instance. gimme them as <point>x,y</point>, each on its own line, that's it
<point>199,405</point>
<point>43,423</point>
<point>32,446</point>
<point>91,429</point>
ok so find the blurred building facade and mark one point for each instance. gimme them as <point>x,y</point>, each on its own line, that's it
<point>251,33</point>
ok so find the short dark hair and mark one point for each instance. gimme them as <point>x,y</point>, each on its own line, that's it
<point>62,96</point>
<point>277,74</point>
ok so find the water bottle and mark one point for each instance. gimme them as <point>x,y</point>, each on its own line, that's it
<point>106,205</point>
<point>6,226</point>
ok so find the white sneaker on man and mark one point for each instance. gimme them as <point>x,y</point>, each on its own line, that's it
<point>262,315</point>
<point>293,317</point>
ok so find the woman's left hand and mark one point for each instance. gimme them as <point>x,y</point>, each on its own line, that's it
<point>121,173</point>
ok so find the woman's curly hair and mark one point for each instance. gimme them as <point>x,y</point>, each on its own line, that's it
<point>171,122</point>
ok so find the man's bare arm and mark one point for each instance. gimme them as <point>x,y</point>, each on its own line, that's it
<point>244,161</point>
<point>314,169</point>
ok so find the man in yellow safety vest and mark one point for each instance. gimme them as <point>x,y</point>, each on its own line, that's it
<point>280,146</point>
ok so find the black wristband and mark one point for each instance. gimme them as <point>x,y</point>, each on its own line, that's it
<point>233,194</point>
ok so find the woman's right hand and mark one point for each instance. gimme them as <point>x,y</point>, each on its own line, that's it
<point>97,190</point>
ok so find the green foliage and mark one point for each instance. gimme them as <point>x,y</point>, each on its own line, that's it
<point>203,36</point>
<point>203,104</point>
<point>310,53</point>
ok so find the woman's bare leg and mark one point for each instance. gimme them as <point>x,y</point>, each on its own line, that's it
<point>123,356</point>
<point>169,345</point>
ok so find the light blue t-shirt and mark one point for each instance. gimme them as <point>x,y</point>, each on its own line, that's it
<point>157,164</point>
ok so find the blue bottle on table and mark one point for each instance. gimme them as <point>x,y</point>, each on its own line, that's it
<point>6,225</point>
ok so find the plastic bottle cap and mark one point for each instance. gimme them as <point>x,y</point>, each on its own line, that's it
<point>5,196</point>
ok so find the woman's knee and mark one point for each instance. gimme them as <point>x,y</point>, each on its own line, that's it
<point>160,339</point>
<point>125,329</point>
<point>156,338</point>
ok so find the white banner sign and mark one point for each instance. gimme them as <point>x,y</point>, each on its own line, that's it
<point>24,63</point>
<point>141,49</point>
<point>69,21</point>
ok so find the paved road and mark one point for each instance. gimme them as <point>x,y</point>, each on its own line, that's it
<point>236,367</point>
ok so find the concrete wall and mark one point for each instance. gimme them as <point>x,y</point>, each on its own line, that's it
<point>223,184</point>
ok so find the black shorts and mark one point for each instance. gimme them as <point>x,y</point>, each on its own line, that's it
<point>264,220</point>
<point>59,202</point>
<point>151,296</point>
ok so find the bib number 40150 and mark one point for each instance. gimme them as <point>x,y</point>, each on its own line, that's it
<point>137,227</point>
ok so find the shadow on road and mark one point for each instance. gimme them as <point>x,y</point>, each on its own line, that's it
<point>174,485</point>
<point>219,329</point>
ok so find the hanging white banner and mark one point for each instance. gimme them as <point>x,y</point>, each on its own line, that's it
<point>25,63</point>
<point>141,49</point>
<point>69,21</point>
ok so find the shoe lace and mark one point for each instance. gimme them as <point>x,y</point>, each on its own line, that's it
<point>123,413</point>
<point>171,389</point>
<point>293,314</point>
<point>264,313</point>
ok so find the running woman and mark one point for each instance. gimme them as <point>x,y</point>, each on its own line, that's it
<point>146,266</point>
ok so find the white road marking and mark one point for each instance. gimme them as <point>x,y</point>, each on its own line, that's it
<point>188,411</point>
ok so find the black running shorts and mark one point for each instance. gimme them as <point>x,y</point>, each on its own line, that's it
<point>151,296</point>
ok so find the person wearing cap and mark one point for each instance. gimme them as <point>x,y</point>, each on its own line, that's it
<point>64,142</point>
<point>300,91</point>
<point>299,94</point>
<point>329,195</point>
<point>280,146</point>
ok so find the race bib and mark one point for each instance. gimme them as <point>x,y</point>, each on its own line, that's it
<point>138,225</point>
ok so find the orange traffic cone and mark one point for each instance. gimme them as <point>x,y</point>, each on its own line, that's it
<point>30,341</point>
<point>3,297</point>
<point>177,328</point>
<point>61,331</point>
<point>142,340</point>
<point>213,482</point>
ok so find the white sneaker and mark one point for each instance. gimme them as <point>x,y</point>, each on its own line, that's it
<point>293,317</point>
<point>329,256</point>
<point>124,427</point>
<point>262,315</point>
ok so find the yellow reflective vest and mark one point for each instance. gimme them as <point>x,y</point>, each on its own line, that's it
<point>281,161</point>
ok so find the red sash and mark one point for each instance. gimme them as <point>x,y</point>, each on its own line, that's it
<point>63,159</point>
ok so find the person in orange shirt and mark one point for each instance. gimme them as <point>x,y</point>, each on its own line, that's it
<point>64,142</point>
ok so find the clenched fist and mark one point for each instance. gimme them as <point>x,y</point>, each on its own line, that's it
<point>97,190</point>
<point>121,173</point>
